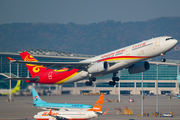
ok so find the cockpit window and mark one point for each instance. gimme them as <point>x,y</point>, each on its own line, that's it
<point>168,39</point>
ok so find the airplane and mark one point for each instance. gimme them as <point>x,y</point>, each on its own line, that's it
<point>56,106</point>
<point>13,91</point>
<point>178,96</point>
<point>73,115</point>
<point>131,57</point>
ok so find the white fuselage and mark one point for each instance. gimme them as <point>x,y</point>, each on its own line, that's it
<point>72,115</point>
<point>4,90</point>
<point>127,56</point>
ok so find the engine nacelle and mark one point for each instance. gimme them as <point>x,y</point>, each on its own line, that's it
<point>98,67</point>
<point>139,67</point>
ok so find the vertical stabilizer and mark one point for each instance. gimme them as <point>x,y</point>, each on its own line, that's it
<point>99,104</point>
<point>33,69</point>
<point>17,87</point>
<point>37,100</point>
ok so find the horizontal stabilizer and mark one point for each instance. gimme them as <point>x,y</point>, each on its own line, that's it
<point>106,111</point>
<point>22,78</point>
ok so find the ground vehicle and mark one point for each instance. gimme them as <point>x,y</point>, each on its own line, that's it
<point>167,115</point>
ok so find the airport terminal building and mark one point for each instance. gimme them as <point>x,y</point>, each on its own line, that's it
<point>163,76</point>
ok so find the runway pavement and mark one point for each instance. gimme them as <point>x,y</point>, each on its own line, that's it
<point>22,106</point>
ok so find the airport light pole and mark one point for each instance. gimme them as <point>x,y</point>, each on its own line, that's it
<point>75,85</point>
<point>142,99</point>
<point>27,73</point>
<point>178,74</point>
<point>157,101</point>
<point>119,93</point>
<point>169,104</point>
<point>10,81</point>
<point>17,69</point>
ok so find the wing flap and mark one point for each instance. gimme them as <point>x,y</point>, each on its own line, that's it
<point>77,65</point>
<point>21,78</point>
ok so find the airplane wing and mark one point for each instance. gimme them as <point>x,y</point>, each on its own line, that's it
<point>57,117</point>
<point>22,78</point>
<point>77,65</point>
<point>70,65</point>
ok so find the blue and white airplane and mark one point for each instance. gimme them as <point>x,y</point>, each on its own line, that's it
<point>56,106</point>
<point>178,96</point>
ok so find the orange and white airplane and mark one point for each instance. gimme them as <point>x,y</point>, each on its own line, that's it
<point>131,57</point>
<point>73,115</point>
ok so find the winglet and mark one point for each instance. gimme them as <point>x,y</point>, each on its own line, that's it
<point>98,106</point>
<point>106,111</point>
<point>11,59</point>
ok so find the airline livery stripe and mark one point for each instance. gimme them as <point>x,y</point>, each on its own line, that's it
<point>64,80</point>
<point>123,58</point>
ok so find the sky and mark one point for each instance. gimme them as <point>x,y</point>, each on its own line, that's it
<point>85,11</point>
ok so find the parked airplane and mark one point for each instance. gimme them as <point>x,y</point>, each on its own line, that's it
<point>73,115</point>
<point>56,106</point>
<point>13,91</point>
<point>178,96</point>
<point>131,58</point>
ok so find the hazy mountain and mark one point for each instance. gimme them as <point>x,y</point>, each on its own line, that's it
<point>93,39</point>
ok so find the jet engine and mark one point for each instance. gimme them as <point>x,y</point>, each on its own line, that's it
<point>139,67</point>
<point>98,67</point>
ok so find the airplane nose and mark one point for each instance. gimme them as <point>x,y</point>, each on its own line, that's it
<point>174,41</point>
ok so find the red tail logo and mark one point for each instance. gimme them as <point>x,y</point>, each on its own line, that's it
<point>33,69</point>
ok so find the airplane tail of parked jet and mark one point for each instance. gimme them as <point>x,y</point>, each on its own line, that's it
<point>14,90</point>
<point>36,97</point>
<point>99,104</point>
<point>17,87</point>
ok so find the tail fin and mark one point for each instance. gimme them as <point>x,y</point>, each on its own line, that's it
<point>99,104</point>
<point>36,98</point>
<point>17,87</point>
<point>33,69</point>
